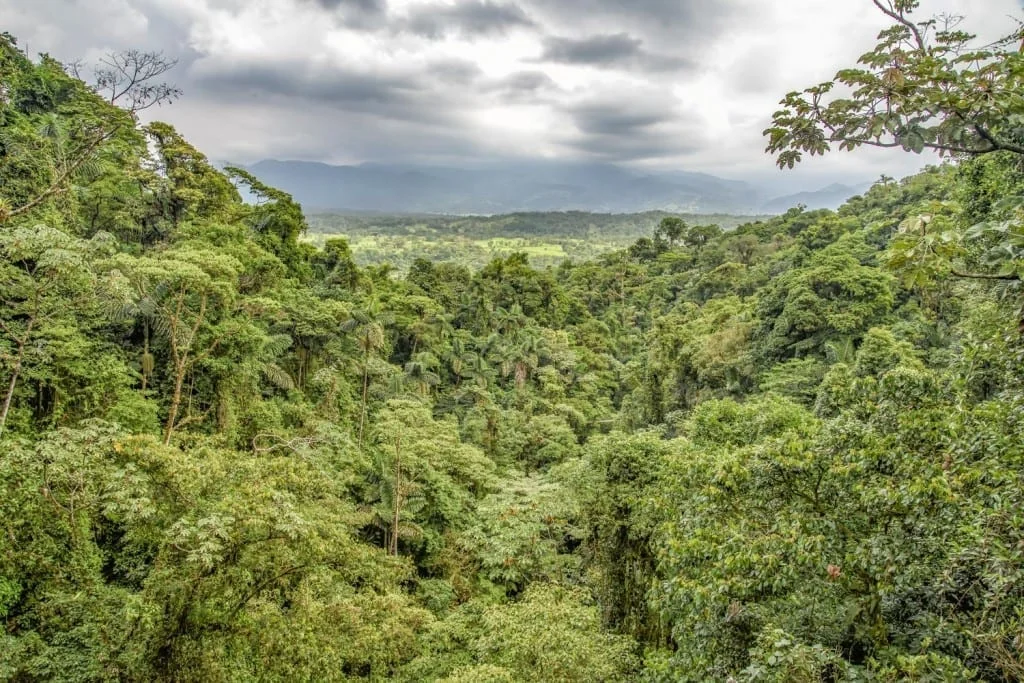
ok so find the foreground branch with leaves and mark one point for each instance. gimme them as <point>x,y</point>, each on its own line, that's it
<point>926,85</point>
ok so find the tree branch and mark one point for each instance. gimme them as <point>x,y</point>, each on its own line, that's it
<point>929,145</point>
<point>59,186</point>
<point>898,16</point>
<point>258,588</point>
<point>985,276</point>
<point>996,142</point>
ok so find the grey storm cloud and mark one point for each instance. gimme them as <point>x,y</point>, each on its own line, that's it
<point>603,49</point>
<point>618,120</point>
<point>527,87</point>
<point>334,85</point>
<point>670,19</point>
<point>392,96</point>
<point>527,81</point>
<point>366,6</point>
<point>642,145</point>
<point>456,71</point>
<point>378,101</point>
<point>623,113</point>
<point>659,81</point>
<point>631,124</point>
<point>367,15</point>
<point>470,18</point>
<point>608,50</point>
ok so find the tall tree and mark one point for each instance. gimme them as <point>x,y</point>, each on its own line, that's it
<point>54,130</point>
<point>368,325</point>
<point>191,293</point>
<point>45,277</point>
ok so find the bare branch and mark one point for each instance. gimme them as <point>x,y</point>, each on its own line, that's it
<point>130,79</point>
<point>899,17</point>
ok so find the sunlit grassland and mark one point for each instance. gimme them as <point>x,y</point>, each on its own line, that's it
<point>547,239</point>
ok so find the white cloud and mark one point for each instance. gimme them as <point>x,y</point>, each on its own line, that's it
<point>339,80</point>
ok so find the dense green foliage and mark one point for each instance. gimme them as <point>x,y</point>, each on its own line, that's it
<point>791,451</point>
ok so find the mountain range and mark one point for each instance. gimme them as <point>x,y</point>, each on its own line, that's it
<point>830,197</point>
<point>541,186</point>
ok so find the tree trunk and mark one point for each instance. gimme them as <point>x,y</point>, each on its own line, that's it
<point>145,355</point>
<point>362,413</point>
<point>172,415</point>
<point>15,373</point>
<point>182,356</point>
<point>492,434</point>
<point>397,511</point>
<point>10,392</point>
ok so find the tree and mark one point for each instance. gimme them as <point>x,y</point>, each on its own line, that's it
<point>522,532</point>
<point>622,471</point>
<point>369,327</point>
<point>334,265</point>
<point>278,222</point>
<point>217,563</point>
<point>427,479</point>
<point>195,189</point>
<point>832,296</point>
<point>697,236</point>
<point>552,633</point>
<point>129,79</point>
<point>671,230</point>
<point>925,85</point>
<point>189,292</point>
<point>421,371</point>
<point>54,130</point>
<point>45,276</point>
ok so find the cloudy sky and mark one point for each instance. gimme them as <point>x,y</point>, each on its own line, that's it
<point>669,84</point>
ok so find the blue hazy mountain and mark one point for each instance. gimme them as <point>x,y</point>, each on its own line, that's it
<point>831,197</point>
<point>520,187</point>
<point>537,186</point>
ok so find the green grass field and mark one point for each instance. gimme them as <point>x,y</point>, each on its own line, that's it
<point>547,239</point>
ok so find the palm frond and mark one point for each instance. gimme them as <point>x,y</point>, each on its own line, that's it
<point>277,344</point>
<point>278,376</point>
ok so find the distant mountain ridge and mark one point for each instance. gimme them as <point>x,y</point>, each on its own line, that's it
<point>829,197</point>
<point>541,186</point>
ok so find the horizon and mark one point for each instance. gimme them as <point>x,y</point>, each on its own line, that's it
<point>766,193</point>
